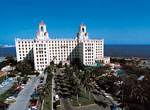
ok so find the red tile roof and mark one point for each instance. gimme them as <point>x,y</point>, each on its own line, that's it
<point>82,25</point>
<point>42,24</point>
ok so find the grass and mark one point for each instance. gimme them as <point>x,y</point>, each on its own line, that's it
<point>83,99</point>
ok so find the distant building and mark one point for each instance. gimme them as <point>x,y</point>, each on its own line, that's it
<point>143,63</point>
<point>43,50</point>
<point>6,68</point>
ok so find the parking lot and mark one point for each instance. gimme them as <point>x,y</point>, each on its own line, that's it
<point>25,95</point>
<point>7,86</point>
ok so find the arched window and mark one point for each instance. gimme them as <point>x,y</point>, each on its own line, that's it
<point>42,28</point>
<point>82,29</point>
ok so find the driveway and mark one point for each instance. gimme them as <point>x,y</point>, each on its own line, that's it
<point>24,96</point>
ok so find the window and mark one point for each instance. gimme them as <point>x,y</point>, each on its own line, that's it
<point>42,28</point>
<point>82,29</point>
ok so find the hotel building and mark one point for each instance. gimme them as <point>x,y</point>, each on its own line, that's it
<point>43,49</point>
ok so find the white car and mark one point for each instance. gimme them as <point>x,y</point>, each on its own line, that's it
<point>22,84</point>
<point>56,97</point>
<point>1,85</point>
<point>11,98</point>
<point>106,95</point>
<point>10,79</point>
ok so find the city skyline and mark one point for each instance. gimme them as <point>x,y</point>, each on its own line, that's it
<point>116,21</point>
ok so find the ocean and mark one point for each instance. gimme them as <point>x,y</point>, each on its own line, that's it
<point>126,51</point>
<point>7,51</point>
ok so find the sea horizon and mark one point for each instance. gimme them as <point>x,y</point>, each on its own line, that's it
<point>112,50</point>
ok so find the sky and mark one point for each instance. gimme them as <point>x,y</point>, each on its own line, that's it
<point>116,21</point>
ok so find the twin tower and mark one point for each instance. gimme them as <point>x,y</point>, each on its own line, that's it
<point>43,34</point>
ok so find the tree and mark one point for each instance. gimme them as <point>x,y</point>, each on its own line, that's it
<point>11,60</point>
<point>89,87</point>
<point>52,62</point>
<point>65,64</point>
<point>49,69</point>
<point>25,79</point>
<point>76,87</point>
<point>24,67</point>
<point>78,63</point>
<point>108,83</point>
<point>18,79</point>
<point>135,93</point>
<point>60,64</point>
<point>13,73</point>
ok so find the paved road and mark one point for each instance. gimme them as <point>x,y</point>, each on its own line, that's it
<point>8,86</point>
<point>65,105</point>
<point>92,107</point>
<point>24,96</point>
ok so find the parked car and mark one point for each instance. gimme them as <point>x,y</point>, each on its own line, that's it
<point>21,87</point>
<point>35,95</point>
<point>41,81</point>
<point>22,84</point>
<point>15,95</point>
<point>114,107</point>
<point>40,85</point>
<point>105,95</point>
<point>57,104</point>
<point>11,98</point>
<point>10,79</point>
<point>56,97</point>
<point>33,106</point>
<point>97,87</point>
<point>1,85</point>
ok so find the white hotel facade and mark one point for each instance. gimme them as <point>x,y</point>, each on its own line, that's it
<point>43,50</point>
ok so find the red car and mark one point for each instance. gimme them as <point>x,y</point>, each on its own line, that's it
<point>33,105</point>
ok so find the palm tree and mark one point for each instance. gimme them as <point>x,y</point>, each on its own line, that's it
<point>87,82</point>
<point>89,87</point>
<point>54,58</point>
<point>135,92</point>
<point>49,69</point>
<point>86,77</point>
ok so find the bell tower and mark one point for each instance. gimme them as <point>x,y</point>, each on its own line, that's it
<point>82,34</point>
<point>42,33</point>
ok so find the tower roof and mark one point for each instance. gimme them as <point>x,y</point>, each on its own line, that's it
<point>82,24</point>
<point>42,24</point>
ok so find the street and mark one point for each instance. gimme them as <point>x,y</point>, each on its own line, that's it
<point>24,96</point>
<point>65,105</point>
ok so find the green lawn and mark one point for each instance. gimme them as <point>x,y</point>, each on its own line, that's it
<point>83,99</point>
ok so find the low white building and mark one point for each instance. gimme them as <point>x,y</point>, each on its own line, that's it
<point>6,68</point>
<point>43,50</point>
<point>143,63</point>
